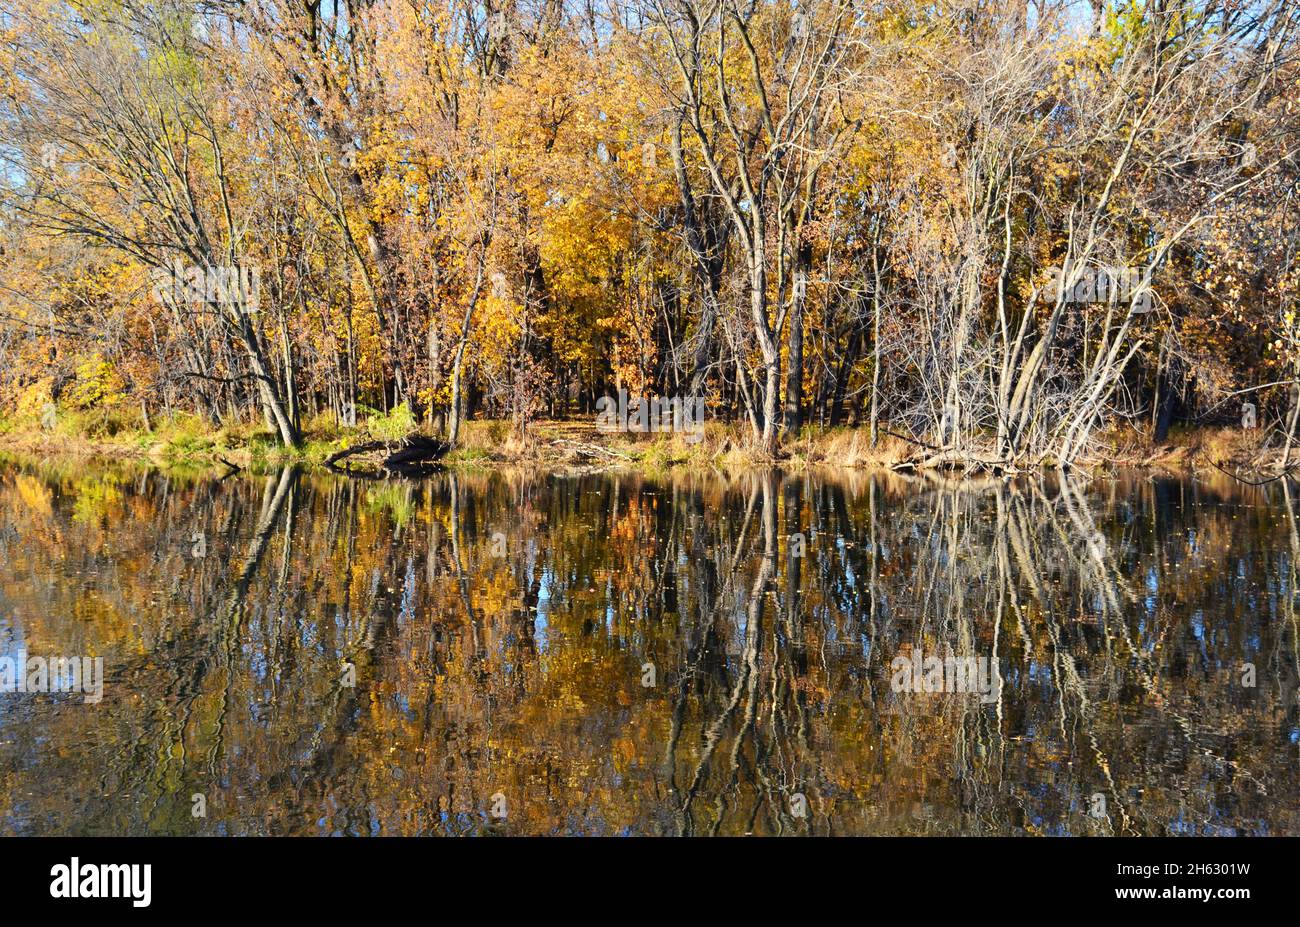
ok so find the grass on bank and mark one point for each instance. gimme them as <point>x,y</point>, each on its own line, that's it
<point>186,440</point>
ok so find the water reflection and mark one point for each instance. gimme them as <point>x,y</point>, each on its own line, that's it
<point>501,631</point>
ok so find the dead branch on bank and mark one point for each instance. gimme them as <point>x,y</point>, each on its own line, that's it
<point>590,450</point>
<point>411,455</point>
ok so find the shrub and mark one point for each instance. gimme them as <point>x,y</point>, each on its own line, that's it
<point>398,423</point>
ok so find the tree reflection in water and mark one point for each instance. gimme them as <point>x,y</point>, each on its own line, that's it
<point>499,628</point>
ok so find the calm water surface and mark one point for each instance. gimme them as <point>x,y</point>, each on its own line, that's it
<point>624,655</point>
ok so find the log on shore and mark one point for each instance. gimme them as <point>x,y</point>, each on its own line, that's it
<point>412,454</point>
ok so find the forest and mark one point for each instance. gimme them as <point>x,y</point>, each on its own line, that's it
<point>995,229</point>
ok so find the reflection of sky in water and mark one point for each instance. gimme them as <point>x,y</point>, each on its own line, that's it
<point>540,623</point>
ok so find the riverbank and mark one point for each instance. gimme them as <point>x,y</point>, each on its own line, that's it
<point>569,445</point>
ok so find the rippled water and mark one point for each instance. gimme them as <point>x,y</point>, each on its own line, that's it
<point>624,655</point>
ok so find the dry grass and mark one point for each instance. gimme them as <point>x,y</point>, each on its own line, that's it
<point>1190,449</point>
<point>560,445</point>
<point>851,447</point>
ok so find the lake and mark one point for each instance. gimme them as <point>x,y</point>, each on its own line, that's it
<point>768,653</point>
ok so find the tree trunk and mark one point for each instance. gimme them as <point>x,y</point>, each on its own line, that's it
<point>771,353</point>
<point>269,387</point>
<point>875,345</point>
<point>794,376</point>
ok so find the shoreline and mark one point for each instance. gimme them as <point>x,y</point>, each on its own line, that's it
<point>558,446</point>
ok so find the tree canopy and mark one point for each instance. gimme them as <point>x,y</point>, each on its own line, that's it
<point>992,227</point>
